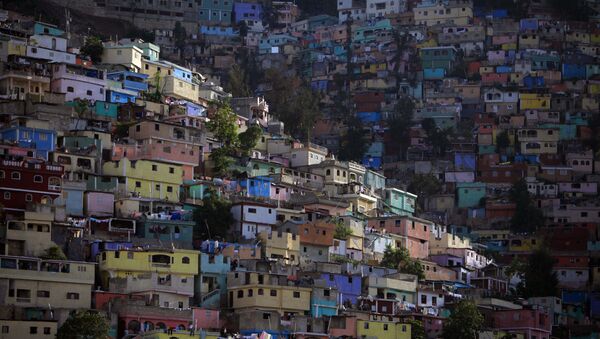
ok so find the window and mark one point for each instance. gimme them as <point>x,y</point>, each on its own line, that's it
<point>261,291</point>
<point>240,294</point>
<point>1,174</point>
<point>171,170</point>
<point>70,89</point>
<point>385,327</point>
<point>43,294</point>
<point>15,176</point>
<point>6,195</point>
<point>326,293</point>
<point>250,293</point>
<point>185,260</point>
<point>169,189</point>
<point>4,329</point>
<point>423,299</point>
<point>138,184</point>
<point>117,254</point>
<point>154,168</point>
<point>73,296</point>
<point>296,294</point>
<point>366,325</point>
<point>28,197</point>
<point>88,92</point>
<point>273,293</point>
<point>156,127</point>
<point>129,255</point>
<point>252,210</point>
<point>32,330</point>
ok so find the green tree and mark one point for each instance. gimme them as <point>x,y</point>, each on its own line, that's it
<point>84,325</point>
<point>424,186</point>
<point>353,142</point>
<point>237,82</point>
<point>417,331</point>
<point>527,217</point>
<point>213,219</point>
<point>249,138</point>
<point>54,253</point>
<point>594,141</point>
<point>180,35</point>
<point>342,232</point>
<point>539,280</point>
<point>93,48</point>
<point>464,322</point>
<point>438,138</point>
<point>224,128</point>
<point>400,124</point>
<point>502,141</point>
<point>399,258</point>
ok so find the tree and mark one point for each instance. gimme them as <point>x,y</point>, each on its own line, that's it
<point>464,322</point>
<point>223,126</point>
<point>438,138</point>
<point>417,331</point>
<point>180,35</point>
<point>539,280</point>
<point>399,258</point>
<point>527,217</point>
<point>213,219</point>
<point>399,126</point>
<point>84,325</point>
<point>93,48</point>
<point>54,253</point>
<point>502,141</point>
<point>354,142</point>
<point>594,141</point>
<point>237,83</point>
<point>249,138</point>
<point>342,231</point>
<point>424,186</point>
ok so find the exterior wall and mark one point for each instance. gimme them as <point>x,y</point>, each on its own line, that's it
<point>252,219</point>
<point>271,297</point>
<point>382,330</point>
<point>282,245</point>
<point>129,56</point>
<point>99,204</point>
<point>150,179</point>
<point>28,329</point>
<point>64,284</point>
<point>32,234</point>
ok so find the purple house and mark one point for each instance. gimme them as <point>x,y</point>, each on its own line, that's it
<point>247,11</point>
<point>348,286</point>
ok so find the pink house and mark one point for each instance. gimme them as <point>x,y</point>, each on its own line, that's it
<point>496,57</point>
<point>205,318</point>
<point>78,82</point>
<point>99,204</point>
<point>504,39</point>
<point>185,154</point>
<point>488,79</point>
<point>280,192</point>
<point>415,232</point>
<point>342,326</point>
<point>533,323</point>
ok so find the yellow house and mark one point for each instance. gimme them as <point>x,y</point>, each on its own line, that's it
<point>438,13</point>
<point>180,89</point>
<point>376,329</point>
<point>160,334</point>
<point>252,290</point>
<point>12,46</point>
<point>127,55</point>
<point>30,236</point>
<point>27,329</point>
<point>578,37</point>
<point>167,277</point>
<point>154,68</point>
<point>447,240</point>
<point>590,103</point>
<point>33,282</point>
<point>524,244</point>
<point>151,179</point>
<point>534,101</point>
<point>19,84</point>
<point>282,245</point>
<point>529,40</point>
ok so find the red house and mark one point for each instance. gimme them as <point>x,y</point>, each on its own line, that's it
<point>534,323</point>
<point>29,181</point>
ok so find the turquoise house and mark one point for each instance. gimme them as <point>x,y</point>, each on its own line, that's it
<point>399,201</point>
<point>211,281</point>
<point>470,193</point>
<point>324,302</point>
<point>439,57</point>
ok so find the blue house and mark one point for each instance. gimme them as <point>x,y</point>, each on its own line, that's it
<point>259,187</point>
<point>120,96</point>
<point>247,11</point>
<point>218,31</point>
<point>434,73</point>
<point>266,45</point>
<point>131,81</point>
<point>42,140</point>
<point>470,193</point>
<point>47,29</point>
<point>573,71</point>
<point>465,161</point>
<point>105,109</point>
<point>324,302</point>
<point>530,24</point>
<point>174,230</point>
<point>349,286</point>
<point>211,281</point>
<point>99,246</point>
<point>531,82</point>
